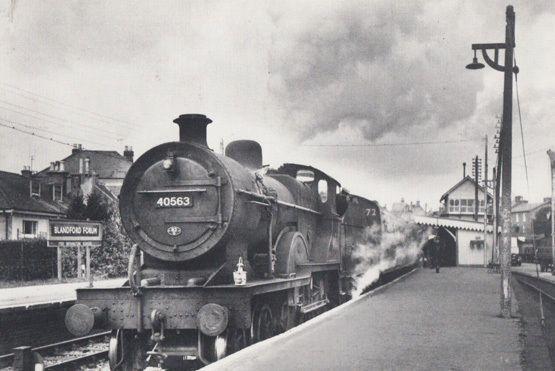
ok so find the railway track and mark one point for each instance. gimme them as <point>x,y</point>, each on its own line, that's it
<point>546,287</point>
<point>69,354</point>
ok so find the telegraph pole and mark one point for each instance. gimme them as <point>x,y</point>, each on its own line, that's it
<point>486,202</point>
<point>506,147</point>
<point>494,207</point>
<point>476,201</point>
<point>551,155</point>
<point>506,162</point>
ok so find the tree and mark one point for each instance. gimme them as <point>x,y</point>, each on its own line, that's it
<point>76,208</point>
<point>111,258</point>
<point>97,207</point>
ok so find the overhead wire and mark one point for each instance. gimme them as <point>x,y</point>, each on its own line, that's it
<point>96,132</point>
<point>75,108</point>
<point>12,123</point>
<point>36,135</point>
<point>392,144</point>
<point>540,292</point>
<point>81,124</point>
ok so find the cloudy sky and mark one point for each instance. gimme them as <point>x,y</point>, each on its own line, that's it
<point>373,92</point>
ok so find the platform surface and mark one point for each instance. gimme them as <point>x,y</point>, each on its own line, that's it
<point>45,294</point>
<point>530,270</point>
<point>428,321</point>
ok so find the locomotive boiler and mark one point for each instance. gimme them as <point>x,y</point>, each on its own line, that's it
<point>227,252</point>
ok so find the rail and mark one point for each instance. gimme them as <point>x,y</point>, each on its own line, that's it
<point>7,358</point>
<point>546,287</point>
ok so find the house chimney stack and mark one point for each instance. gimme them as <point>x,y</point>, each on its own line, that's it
<point>76,149</point>
<point>128,153</point>
<point>26,172</point>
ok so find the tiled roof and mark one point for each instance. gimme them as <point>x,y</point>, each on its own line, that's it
<point>466,178</point>
<point>105,164</point>
<point>15,194</point>
<point>528,206</point>
<point>452,223</point>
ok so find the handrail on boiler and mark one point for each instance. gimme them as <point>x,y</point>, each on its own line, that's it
<point>282,203</point>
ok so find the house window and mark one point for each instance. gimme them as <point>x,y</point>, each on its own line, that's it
<point>523,217</point>
<point>35,188</point>
<point>482,209</point>
<point>30,227</point>
<point>57,192</point>
<point>516,218</point>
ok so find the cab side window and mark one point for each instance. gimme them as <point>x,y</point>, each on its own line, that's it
<point>323,190</point>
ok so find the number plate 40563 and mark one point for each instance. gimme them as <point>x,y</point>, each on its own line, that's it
<point>174,201</point>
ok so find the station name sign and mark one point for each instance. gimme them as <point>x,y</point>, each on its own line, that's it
<point>69,230</point>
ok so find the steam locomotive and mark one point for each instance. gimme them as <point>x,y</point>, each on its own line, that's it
<point>227,252</point>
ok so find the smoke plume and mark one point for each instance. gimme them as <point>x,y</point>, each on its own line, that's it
<point>400,243</point>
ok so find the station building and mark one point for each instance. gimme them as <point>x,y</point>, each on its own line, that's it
<point>460,227</point>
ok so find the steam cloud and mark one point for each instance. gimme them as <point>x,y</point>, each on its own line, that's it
<point>378,67</point>
<point>401,243</point>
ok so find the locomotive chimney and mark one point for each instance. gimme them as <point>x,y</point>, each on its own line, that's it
<point>464,169</point>
<point>192,128</point>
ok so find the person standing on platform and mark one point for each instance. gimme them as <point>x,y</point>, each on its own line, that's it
<point>436,251</point>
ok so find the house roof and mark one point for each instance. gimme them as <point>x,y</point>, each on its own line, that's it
<point>528,206</point>
<point>15,194</point>
<point>465,179</point>
<point>105,164</point>
<point>467,225</point>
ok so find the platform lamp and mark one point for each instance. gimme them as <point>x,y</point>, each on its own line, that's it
<point>506,145</point>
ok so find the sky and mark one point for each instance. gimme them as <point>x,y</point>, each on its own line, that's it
<point>374,93</point>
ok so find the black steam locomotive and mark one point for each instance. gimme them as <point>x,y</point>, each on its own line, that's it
<point>232,252</point>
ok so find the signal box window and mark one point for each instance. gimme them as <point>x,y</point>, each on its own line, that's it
<point>30,227</point>
<point>323,190</point>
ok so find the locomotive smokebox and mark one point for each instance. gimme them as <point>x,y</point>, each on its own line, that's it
<point>192,128</point>
<point>246,152</point>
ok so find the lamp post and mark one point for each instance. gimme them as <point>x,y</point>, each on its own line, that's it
<point>506,146</point>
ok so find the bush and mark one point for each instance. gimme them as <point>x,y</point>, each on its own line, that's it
<point>110,259</point>
<point>27,260</point>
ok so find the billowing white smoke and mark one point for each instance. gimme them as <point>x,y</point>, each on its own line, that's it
<point>401,243</point>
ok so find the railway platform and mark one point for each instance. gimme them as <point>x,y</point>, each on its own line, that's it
<point>529,269</point>
<point>34,315</point>
<point>425,321</point>
<point>29,297</point>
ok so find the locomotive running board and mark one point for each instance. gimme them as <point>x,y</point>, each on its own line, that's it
<point>314,306</point>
